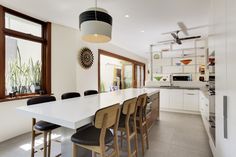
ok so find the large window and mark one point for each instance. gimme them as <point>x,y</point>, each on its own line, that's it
<point>25,55</point>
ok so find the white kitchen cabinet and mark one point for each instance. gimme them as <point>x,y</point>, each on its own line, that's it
<point>176,99</point>
<point>179,100</point>
<point>191,99</point>
<point>164,98</point>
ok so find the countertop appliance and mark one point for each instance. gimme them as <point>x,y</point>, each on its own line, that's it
<point>182,77</point>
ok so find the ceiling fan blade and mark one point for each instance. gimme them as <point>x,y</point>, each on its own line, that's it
<point>178,41</point>
<point>188,38</point>
<point>183,28</point>
<point>174,35</point>
<point>198,27</point>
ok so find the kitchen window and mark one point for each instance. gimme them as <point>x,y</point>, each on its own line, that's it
<point>25,55</point>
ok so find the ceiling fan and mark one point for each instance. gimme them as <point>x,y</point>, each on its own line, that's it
<point>175,34</point>
<point>179,40</point>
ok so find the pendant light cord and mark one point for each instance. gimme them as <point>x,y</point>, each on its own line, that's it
<point>96,6</point>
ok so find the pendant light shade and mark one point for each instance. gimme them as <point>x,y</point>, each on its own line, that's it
<point>95,25</point>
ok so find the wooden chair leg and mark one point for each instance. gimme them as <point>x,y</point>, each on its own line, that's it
<point>142,139</point>
<point>121,139</point>
<point>128,142</point>
<point>116,145</point>
<point>147,140</point>
<point>32,143</point>
<point>44,144</point>
<point>49,143</point>
<point>75,150</point>
<point>103,151</point>
<point>136,139</point>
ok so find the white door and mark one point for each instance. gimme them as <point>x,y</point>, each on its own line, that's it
<point>176,99</point>
<point>191,100</point>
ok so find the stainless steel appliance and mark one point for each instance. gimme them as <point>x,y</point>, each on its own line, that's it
<point>182,77</point>
<point>211,92</point>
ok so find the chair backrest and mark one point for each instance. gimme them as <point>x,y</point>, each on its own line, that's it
<point>129,106</point>
<point>90,92</point>
<point>107,117</point>
<point>70,95</point>
<point>40,99</point>
<point>142,104</point>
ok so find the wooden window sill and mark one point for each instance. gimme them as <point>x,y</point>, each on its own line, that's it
<point>20,97</point>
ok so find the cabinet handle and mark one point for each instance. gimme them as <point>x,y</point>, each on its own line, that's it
<point>190,94</point>
<point>225,114</point>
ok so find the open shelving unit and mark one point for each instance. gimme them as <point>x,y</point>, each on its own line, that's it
<point>167,60</point>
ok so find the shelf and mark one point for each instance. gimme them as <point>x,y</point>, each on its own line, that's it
<point>198,56</point>
<point>185,49</point>
<point>178,65</point>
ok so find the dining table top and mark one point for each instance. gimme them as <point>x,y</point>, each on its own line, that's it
<point>76,112</point>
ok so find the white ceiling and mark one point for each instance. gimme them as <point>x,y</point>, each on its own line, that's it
<point>151,16</point>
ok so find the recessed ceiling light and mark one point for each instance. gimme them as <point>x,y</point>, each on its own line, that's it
<point>127,16</point>
<point>142,31</point>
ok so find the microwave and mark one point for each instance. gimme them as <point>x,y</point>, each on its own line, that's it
<point>182,77</point>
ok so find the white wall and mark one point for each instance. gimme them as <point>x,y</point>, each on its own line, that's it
<point>67,75</point>
<point>64,57</point>
<point>88,79</point>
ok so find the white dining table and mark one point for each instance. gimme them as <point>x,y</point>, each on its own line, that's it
<point>73,113</point>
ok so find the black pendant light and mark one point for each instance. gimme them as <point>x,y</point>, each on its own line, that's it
<point>95,25</point>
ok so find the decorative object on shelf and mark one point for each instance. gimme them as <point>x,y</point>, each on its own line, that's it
<point>201,78</point>
<point>177,64</point>
<point>211,60</point>
<point>158,78</point>
<point>86,57</point>
<point>156,56</point>
<point>95,25</point>
<point>202,69</point>
<point>186,61</point>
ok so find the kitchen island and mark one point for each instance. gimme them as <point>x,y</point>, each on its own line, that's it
<point>73,113</point>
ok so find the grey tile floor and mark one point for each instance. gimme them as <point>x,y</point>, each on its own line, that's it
<point>175,135</point>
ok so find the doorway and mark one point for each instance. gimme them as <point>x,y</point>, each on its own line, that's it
<point>117,72</point>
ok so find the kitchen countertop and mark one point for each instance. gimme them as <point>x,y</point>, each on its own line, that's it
<point>204,90</point>
<point>175,87</point>
<point>76,112</point>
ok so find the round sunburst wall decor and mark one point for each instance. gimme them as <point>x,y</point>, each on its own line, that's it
<point>86,57</point>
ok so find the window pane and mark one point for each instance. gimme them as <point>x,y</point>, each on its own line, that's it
<point>23,66</point>
<point>22,25</point>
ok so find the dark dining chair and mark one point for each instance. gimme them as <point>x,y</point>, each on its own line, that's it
<point>99,138</point>
<point>90,92</point>
<point>42,127</point>
<point>70,95</point>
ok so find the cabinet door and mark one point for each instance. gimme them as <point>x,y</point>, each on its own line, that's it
<point>176,99</point>
<point>191,99</point>
<point>164,98</point>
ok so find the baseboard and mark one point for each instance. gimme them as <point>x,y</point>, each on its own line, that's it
<point>179,111</point>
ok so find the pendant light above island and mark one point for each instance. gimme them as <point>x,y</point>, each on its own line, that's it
<point>95,25</point>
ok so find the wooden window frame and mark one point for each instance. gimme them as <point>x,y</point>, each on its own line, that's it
<point>45,40</point>
<point>134,63</point>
